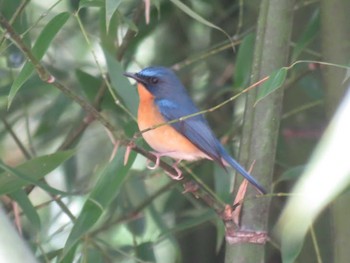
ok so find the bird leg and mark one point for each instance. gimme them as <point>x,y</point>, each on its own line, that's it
<point>179,175</point>
<point>175,166</point>
<point>156,164</point>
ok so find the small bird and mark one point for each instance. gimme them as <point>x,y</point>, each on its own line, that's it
<point>163,98</point>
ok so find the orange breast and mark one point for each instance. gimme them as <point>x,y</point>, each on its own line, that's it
<point>164,139</point>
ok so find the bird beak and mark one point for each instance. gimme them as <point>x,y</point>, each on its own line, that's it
<point>133,76</point>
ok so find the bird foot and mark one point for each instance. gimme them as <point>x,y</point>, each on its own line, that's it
<point>156,163</point>
<point>179,175</point>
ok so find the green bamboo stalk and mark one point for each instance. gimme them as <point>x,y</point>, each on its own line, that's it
<point>335,40</point>
<point>335,37</point>
<point>260,129</point>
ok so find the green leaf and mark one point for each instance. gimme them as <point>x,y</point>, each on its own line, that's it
<point>27,207</point>
<point>49,120</point>
<point>91,3</point>
<point>134,192</point>
<point>93,255</point>
<point>309,34</point>
<point>39,49</point>
<point>145,252</point>
<point>197,218</point>
<point>244,61</point>
<point>50,255</point>
<point>156,3</point>
<point>291,251</point>
<point>29,180</point>
<point>106,189</point>
<point>197,17</point>
<point>111,8</point>
<point>121,84</point>
<point>223,182</point>
<point>220,234</point>
<point>274,82</point>
<point>130,23</point>
<point>9,8</point>
<point>291,174</point>
<point>31,171</point>
<point>325,177</point>
<point>91,85</point>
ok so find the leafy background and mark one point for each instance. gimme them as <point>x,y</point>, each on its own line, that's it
<point>72,199</point>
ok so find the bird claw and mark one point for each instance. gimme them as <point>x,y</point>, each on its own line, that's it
<point>179,175</point>
<point>156,164</point>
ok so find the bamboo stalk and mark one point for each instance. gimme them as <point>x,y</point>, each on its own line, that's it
<point>261,125</point>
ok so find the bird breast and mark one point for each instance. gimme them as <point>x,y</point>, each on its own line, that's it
<point>163,139</point>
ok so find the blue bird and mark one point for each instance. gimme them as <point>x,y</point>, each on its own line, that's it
<point>163,98</point>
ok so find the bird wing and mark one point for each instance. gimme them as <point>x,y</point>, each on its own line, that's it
<point>195,128</point>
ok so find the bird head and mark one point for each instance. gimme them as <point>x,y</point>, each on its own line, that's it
<point>161,82</point>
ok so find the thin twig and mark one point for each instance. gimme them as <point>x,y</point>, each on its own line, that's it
<point>206,54</point>
<point>316,245</point>
<point>302,108</point>
<point>20,145</point>
<point>130,33</point>
<point>17,40</point>
<point>129,215</point>
<point>102,90</point>
<point>14,16</point>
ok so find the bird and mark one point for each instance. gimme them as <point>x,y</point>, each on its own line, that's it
<point>168,122</point>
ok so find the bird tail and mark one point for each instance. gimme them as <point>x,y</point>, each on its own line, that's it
<point>239,168</point>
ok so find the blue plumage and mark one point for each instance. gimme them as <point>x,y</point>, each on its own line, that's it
<point>197,130</point>
<point>173,102</point>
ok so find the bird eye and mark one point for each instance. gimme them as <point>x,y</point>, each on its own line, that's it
<point>154,80</point>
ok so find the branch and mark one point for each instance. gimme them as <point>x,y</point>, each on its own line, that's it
<point>196,187</point>
<point>130,33</point>
<point>20,145</point>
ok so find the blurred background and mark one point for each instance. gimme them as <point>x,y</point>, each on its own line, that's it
<point>117,213</point>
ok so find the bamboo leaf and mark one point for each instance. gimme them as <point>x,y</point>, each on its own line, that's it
<point>106,189</point>
<point>326,176</point>
<point>274,82</point>
<point>244,61</point>
<point>120,83</point>
<point>27,207</point>
<point>291,174</point>
<point>199,18</point>
<point>199,217</point>
<point>111,8</point>
<point>31,171</point>
<point>145,252</point>
<point>90,85</point>
<point>91,3</point>
<point>39,49</point>
<point>223,182</point>
<point>29,180</point>
<point>309,34</point>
